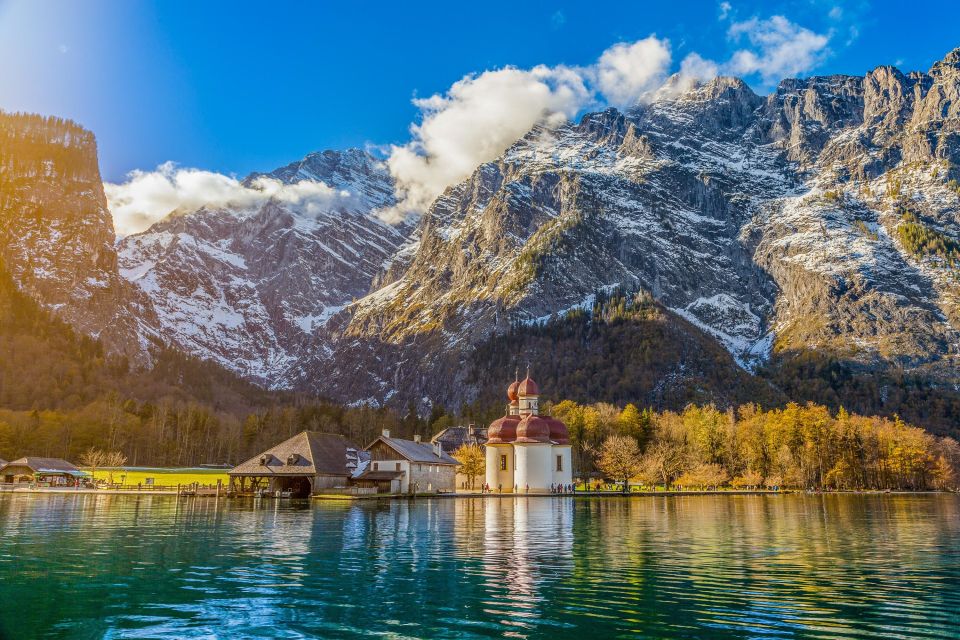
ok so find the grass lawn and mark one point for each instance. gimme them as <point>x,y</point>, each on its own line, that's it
<point>163,476</point>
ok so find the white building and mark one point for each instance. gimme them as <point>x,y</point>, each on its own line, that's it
<point>527,452</point>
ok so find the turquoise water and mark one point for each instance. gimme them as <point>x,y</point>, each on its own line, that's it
<point>689,567</point>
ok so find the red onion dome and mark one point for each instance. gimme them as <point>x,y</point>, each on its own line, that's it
<point>533,429</point>
<point>558,431</point>
<point>528,387</point>
<point>512,390</point>
<point>503,430</point>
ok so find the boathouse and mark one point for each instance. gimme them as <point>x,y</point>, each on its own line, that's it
<point>307,463</point>
<point>55,471</point>
<point>423,467</point>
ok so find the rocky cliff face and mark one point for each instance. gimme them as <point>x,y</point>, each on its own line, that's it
<point>56,233</point>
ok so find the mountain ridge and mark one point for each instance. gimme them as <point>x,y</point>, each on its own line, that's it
<point>821,220</point>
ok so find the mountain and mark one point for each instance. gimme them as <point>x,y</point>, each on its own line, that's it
<point>820,219</point>
<point>711,244</point>
<point>252,288</point>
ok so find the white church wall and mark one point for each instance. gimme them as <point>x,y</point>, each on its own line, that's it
<point>565,475</point>
<point>533,466</point>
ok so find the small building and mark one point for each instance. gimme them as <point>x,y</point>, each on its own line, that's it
<point>307,463</point>
<point>423,467</point>
<point>55,471</point>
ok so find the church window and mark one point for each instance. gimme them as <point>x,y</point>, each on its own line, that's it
<point>559,463</point>
<point>503,463</point>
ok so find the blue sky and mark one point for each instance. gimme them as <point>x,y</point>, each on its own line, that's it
<point>236,86</point>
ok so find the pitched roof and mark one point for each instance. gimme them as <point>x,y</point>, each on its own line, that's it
<point>415,451</point>
<point>455,437</point>
<point>314,453</point>
<point>47,465</point>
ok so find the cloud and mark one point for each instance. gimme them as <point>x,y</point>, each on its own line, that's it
<point>150,196</point>
<point>696,67</point>
<point>725,9</point>
<point>780,49</point>
<point>475,121</point>
<point>479,116</point>
<point>558,19</point>
<point>627,72</point>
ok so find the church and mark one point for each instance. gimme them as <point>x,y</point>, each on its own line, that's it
<point>527,452</point>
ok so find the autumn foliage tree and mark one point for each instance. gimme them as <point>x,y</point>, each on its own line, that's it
<point>472,462</point>
<point>619,459</point>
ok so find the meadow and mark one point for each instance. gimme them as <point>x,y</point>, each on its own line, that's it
<point>161,476</point>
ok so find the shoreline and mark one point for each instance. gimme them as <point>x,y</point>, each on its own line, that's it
<point>458,495</point>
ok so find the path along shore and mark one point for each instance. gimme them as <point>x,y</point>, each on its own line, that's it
<point>460,494</point>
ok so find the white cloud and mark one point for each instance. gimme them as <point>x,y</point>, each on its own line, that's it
<point>696,67</point>
<point>627,72</point>
<point>150,196</point>
<point>780,49</point>
<point>725,9</point>
<point>478,117</point>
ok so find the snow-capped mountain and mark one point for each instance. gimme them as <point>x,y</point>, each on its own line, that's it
<point>252,289</point>
<point>823,217</point>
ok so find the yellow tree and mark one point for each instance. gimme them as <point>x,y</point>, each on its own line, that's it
<point>619,459</point>
<point>472,462</point>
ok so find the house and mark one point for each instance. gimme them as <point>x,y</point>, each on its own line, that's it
<point>55,471</point>
<point>423,467</point>
<point>307,463</point>
<point>527,451</point>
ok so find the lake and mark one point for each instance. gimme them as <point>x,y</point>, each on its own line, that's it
<point>778,566</point>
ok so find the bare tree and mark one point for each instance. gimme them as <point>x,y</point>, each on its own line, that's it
<point>93,459</point>
<point>112,460</point>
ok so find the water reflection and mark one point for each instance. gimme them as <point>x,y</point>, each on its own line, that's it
<point>541,567</point>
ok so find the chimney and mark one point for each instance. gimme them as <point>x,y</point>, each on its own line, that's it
<point>471,430</point>
<point>416,438</point>
<point>386,433</point>
<point>438,449</point>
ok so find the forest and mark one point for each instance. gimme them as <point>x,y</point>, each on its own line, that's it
<point>627,348</point>
<point>797,446</point>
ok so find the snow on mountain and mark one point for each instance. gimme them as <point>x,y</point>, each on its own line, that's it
<point>253,288</point>
<point>822,217</point>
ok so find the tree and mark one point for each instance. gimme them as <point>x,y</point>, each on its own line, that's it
<point>93,459</point>
<point>472,461</point>
<point>112,460</point>
<point>750,480</point>
<point>619,459</point>
<point>704,475</point>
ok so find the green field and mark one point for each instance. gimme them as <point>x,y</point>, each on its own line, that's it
<point>165,477</point>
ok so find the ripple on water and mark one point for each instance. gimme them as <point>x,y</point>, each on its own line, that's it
<point>689,567</point>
